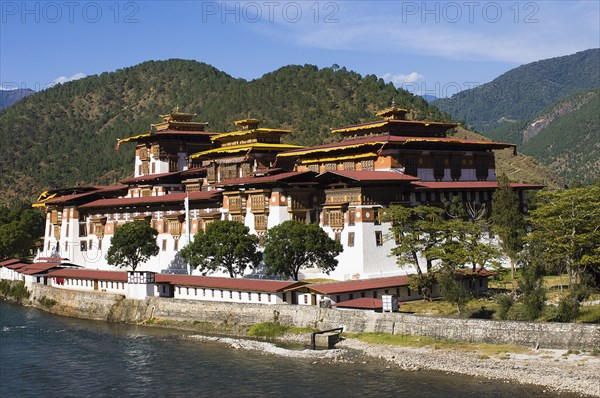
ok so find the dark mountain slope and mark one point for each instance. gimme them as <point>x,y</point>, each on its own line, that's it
<point>521,93</point>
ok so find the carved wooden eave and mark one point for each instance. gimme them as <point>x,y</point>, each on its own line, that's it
<point>143,217</point>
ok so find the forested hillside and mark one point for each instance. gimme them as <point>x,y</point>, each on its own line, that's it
<point>570,143</point>
<point>521,93</point>
<point>65,135</point>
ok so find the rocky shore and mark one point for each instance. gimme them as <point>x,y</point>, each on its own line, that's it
<point>558,370</point>
<point>554,369</point>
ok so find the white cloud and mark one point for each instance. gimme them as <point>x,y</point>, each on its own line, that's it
<point>64,79</point>
<point>400,79</point>
<point>548,30</point>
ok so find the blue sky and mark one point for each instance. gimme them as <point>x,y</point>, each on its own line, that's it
<point>426,47</point>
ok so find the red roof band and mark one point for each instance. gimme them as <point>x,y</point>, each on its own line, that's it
<point>150,200</point>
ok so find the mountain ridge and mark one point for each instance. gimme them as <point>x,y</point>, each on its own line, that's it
<point>520,93</point>
<point>10,97</point>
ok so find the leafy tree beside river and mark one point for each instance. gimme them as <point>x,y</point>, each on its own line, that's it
<point>21,227</point>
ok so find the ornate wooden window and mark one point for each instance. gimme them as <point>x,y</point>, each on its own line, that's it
<point>235,203</point>
<point>174,227</point>
<point>260,222</point>
<point>313,167</point>
<point>98,229</point>
<point>350,239</point>
<point>481,168</point>
<point>330,166</point>
<point>143,153</point>
<point>438,168</point>
<point>237,218</point>
<point>349,165</point>
<point>258,202</point>
<point>336,218</point>
<point>367,164</point>
<point>146,190</point>
<point>211,172</point>
<point>55,217</point>
<point>456,168</point>
<point>410,166</point>
<point>145,168</point>
<point>351,216</point>
<point>192,186</point>
<point>246,169</point>
<point>229,171</point>
<point>155,150</point>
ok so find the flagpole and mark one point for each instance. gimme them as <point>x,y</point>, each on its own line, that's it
<point>186,204</point>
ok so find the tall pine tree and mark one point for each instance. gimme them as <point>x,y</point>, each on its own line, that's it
<point>507,221</point>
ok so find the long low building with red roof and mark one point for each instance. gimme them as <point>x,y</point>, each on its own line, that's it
<point>250,176</point>
<point>233,290</point>
<point>139,285</point>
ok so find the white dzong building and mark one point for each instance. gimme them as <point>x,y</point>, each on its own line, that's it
<point>249,176</point>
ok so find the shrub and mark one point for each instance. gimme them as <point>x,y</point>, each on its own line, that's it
<point>505,303</point>
<point>19,292</point>
<point>4,287</point>
<point>46,302</point>
<point>534,294</point>
<point>569,309</point>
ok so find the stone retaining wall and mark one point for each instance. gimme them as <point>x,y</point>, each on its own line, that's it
<point>231,318</point>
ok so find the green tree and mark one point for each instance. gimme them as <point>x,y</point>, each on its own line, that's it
<point>20,228</point>
<point>417,231</point>
<point>465,246</point>
<point>226,245</point>
<point>507,221</point>
<point>452,288</point>
<point>291,246</point>
<point>566,230</point>
<point>534,293</point>
<point>132,244</point>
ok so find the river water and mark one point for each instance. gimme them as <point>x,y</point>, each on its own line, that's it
<point>51,356</point>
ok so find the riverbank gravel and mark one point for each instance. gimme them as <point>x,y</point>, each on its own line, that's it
<point>557,370</point>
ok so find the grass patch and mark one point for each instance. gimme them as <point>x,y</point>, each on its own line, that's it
<point>267,329</point>
<point>406,340</point>
<point>551,282</point>
<point>589,314</point>
<point>299,330</point>
<point>475,308</point>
